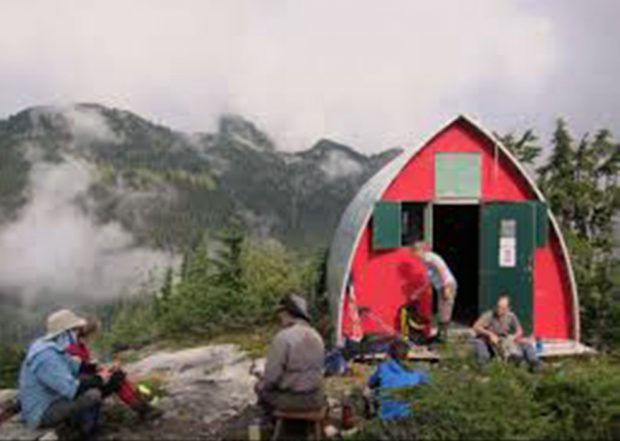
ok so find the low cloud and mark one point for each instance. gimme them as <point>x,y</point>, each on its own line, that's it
<point>88,124</point>
<point>82,123</point>
<point>56,249</point>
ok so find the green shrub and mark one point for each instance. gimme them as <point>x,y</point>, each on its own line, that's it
<point>11,357</point>
<point>226,286</point>
<point>582,401</point>
<point>133,325</point>
<point>578,400</point>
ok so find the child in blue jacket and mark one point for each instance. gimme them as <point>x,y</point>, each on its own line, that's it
<point>392,375</point>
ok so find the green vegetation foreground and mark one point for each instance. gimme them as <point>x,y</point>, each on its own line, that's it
<point>571,400</point>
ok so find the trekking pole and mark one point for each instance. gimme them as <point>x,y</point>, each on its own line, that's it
<point>365,310</point>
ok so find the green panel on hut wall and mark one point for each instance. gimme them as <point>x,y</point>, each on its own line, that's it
<point>428,224</point>
<point>386,225</point>
<point>458,175</point>
<point>542,224</point>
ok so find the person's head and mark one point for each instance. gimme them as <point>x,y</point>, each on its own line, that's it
<point>90,331</point>
<point>503,305</point>
<point>421,247</point>
<point>291,308</point>
<point>64,323</point>
<point>413,296</point>
<point>399,350</point>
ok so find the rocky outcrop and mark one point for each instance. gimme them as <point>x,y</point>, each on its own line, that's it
<point>13,429</point>
<point>203,389</point>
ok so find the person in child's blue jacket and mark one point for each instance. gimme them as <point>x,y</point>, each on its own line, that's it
<point>392,375</point>
<point>54,387</point>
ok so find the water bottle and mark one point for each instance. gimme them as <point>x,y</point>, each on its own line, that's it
<point>254,430</point>
<point>539,346</point>
<point>347,416</point>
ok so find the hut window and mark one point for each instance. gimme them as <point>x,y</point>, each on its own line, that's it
<point>457,175</point>
<point>386,225</point>
<point>413,222</point>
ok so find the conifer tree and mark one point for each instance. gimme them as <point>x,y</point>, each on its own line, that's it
<point>581,185</point>
<point>229,263</point>
<point>525,148</point>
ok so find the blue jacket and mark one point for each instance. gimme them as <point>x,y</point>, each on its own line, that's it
<point>389,376</point>
<point>48,374</point>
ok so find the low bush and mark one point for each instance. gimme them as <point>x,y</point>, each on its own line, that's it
<point>11,357</point>
<point>224,286</point>
<point>573,400</point>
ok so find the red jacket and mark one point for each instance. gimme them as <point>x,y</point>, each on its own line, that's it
<point>79,350</point>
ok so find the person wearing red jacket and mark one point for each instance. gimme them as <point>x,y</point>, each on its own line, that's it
<point>127,392</point>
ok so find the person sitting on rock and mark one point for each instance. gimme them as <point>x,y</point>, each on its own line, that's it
<point>499,333</point>
<point>52,393</point>
<point>293,377</point>
<point>127,393</point>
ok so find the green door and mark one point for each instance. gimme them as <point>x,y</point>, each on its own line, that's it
<point>508,239</point>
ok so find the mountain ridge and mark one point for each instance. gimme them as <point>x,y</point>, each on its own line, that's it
<point>166,186</point>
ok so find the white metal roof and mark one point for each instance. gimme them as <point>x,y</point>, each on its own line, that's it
<point>357,215</point>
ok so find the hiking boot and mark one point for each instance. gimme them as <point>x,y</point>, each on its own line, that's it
<point>442,333</point>
<point>146,412</point>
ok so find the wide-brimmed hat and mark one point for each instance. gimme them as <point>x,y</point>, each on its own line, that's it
<point>295,305</point>
<point>62,321</point>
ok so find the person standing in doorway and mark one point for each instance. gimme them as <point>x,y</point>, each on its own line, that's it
<point>443,282</point>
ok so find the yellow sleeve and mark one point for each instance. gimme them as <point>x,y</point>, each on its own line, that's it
<point>404,323</point>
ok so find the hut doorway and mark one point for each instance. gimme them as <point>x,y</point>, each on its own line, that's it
<point>456,238</point>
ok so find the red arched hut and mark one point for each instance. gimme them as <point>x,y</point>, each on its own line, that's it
<point>466,194</point>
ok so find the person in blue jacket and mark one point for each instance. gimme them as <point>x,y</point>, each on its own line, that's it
<point>391,375</point>
<point>55,388</point>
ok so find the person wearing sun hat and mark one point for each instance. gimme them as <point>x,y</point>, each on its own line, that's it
<point>51,389</point>
<point>293,377</point>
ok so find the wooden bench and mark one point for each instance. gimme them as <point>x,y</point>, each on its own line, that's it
<point>316,417</point>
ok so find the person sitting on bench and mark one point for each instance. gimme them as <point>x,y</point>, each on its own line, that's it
<point>499,333</point>
<point>293,377</point>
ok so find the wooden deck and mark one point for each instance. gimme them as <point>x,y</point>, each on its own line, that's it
<point>551,348</point>
<point>565,348</point>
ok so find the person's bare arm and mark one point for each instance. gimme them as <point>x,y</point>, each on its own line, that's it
<point>480,329</point>
<point>518,335</point>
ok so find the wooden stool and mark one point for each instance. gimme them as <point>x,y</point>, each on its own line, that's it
<point>317,417</point>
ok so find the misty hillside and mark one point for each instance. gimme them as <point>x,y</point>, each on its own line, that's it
<point>165,187</point>
<point>95,202</point>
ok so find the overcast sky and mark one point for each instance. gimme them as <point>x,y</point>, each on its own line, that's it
<point>372,74</point>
